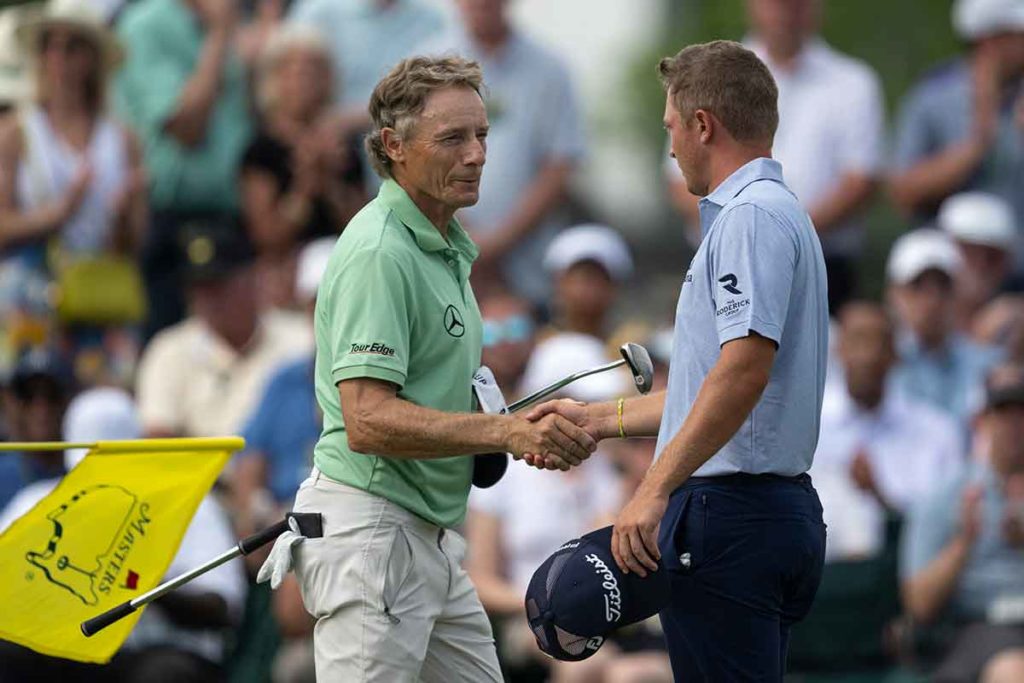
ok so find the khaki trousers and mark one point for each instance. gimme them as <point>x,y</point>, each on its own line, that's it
<point>391,600</point>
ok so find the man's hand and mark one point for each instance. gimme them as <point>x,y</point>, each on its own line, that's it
<point>863,477</point>
<point>635,535</point>
<point>576,412</point>
<point>553,441</point>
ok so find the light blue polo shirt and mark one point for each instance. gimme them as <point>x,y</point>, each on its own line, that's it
<point>759,268</point>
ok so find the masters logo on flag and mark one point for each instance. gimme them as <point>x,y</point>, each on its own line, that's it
<point>106,534</point>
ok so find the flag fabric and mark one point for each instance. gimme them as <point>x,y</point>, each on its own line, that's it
<point>106,534</point>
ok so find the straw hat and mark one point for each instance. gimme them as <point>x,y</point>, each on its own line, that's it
<point>77,15</point>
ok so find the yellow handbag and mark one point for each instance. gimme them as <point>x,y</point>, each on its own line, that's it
<point>104,289</point>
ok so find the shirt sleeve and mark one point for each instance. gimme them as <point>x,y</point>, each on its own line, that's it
<point>257,431</point>
<point>151,81</point>
<point>862,127</point>
<point>160,386</point>
<point>563,130</point>
<point>927,532</point>
<point>369,309</point>
<point>752,264</point>
<point>913,140</point>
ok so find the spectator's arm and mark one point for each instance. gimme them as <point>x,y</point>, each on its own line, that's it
<point>187,122</point>
<point>927,592</point>
<point>275,220</point>
<point>541,196</point>
<point>484,564</point>
<point>933,179</point>
<point>858,150</point>
<point>937,545</point>
<point>17,225</point>
<point>131,208</point>
<point>160,386</point>
<point>248,476</point>
<point>848,197</point>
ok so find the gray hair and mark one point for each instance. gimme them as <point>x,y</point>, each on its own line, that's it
<point>399,98</point>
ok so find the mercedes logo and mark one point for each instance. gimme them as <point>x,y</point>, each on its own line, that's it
<point>453,324</point>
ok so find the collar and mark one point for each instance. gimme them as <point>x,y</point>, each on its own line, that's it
<point>761,168</point>
<point>427,237</point>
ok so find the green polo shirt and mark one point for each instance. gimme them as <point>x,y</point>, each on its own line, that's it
<point>395,304</point>
<point>163,42</point>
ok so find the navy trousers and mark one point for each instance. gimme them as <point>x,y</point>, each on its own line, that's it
<point>744,554</point>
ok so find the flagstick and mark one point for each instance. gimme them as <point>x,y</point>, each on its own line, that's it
<point>309,525</point>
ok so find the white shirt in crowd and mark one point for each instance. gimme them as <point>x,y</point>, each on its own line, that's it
<point>831,122</point>
<point>191,382</point>
<point>540,510</point>
<point>912,450</point>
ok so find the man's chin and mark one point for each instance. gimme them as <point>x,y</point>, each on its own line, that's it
<point>465,198</point>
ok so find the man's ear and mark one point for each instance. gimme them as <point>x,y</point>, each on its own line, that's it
<point>392,143</point>
<point>705,124</point>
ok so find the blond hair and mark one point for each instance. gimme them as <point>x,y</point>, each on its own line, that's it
<point>728,80</point>
<point>282,42</point>
<point>400,97</point>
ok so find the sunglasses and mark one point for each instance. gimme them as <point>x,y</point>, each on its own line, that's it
<point>512,330</point>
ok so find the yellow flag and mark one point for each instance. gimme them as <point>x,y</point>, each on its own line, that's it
<point>106,534</point>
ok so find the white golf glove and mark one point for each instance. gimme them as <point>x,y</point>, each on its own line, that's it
<point>281,557</point>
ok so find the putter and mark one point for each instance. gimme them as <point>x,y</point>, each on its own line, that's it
<point>308,524</point>
<point>633,355</point>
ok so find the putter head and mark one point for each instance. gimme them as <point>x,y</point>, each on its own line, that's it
<point>639,362</point>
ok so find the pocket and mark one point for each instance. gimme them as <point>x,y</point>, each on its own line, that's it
<point>397,569</point>
<point>686,543</point>
<point>669,535</point>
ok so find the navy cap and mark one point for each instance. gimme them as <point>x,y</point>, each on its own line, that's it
<point>579,596</point>
<point>41,362</point>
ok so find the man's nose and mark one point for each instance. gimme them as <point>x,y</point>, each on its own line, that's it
<point>476,154</point>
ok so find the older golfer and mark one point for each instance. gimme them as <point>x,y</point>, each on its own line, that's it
<point>398,338</point>
<point>741,532</point>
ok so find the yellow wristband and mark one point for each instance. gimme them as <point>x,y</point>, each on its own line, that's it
<point>618,411</point>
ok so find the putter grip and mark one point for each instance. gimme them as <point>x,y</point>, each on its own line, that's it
<point>96,624</point>
<point>261,538</point>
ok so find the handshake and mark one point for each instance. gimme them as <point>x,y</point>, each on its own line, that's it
<point>560,434</point>
<point>556,435</point>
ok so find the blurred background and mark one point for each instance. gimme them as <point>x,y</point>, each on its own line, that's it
<point>174,174</point>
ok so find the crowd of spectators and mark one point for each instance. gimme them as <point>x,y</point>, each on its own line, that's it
<point>174,174</point>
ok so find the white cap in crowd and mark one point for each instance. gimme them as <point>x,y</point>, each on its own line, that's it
<point>99,414</point>
<point>977,19</point>
<point>920,250</point>
<point>569,352</point>
<point>590,242</point>
<point>979,218</point>
<point>312,264</point>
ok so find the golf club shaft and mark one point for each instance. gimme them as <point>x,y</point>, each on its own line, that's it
<point>244,547</point>
<point>555,386</point>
